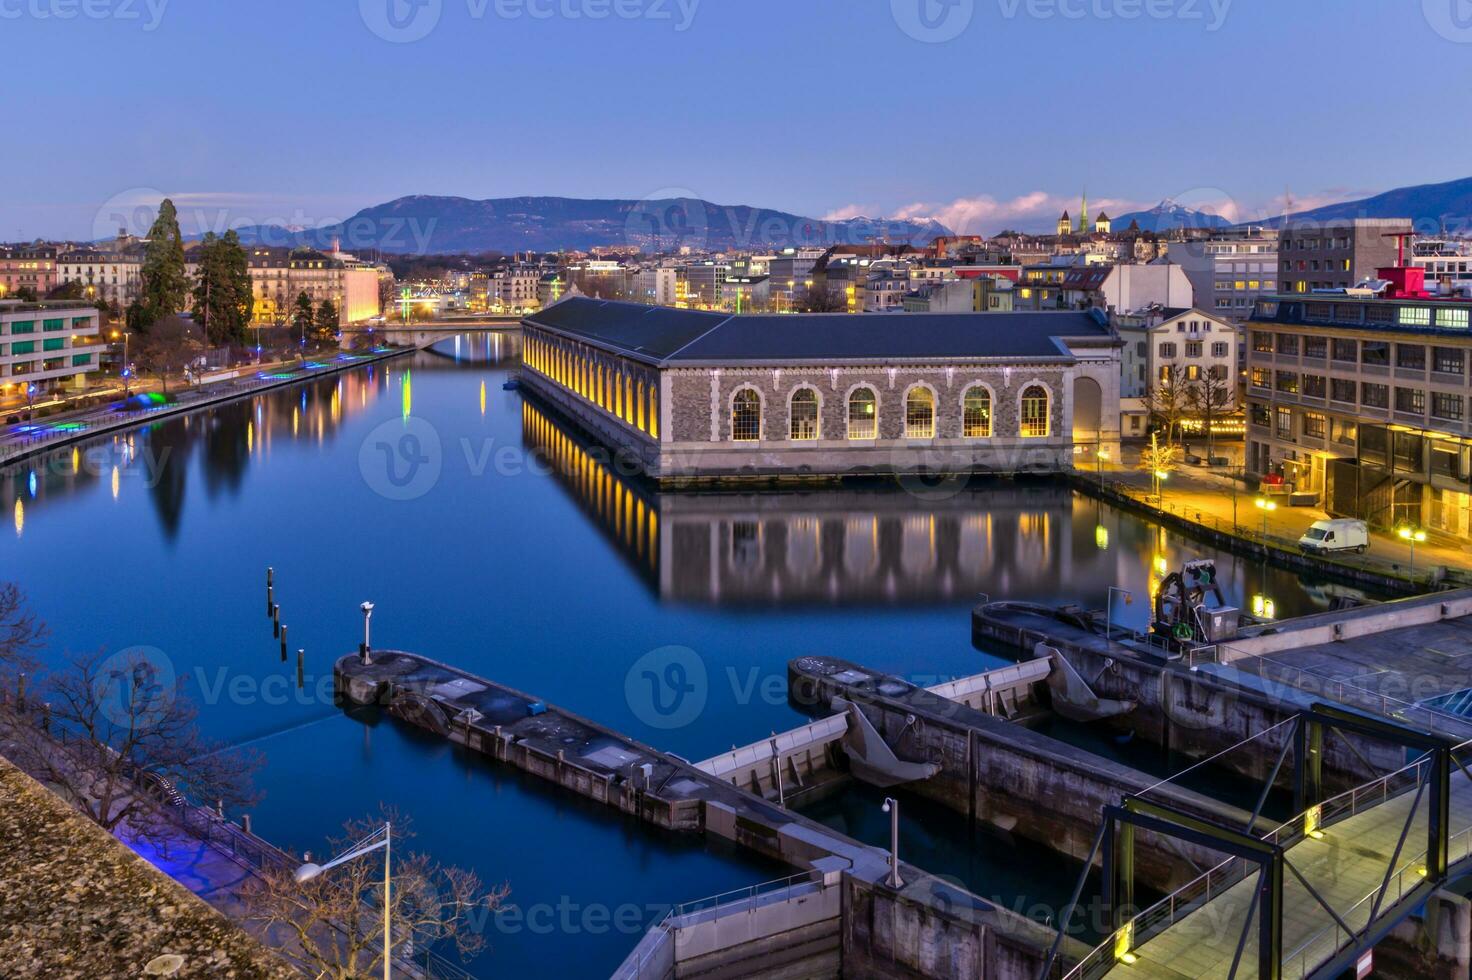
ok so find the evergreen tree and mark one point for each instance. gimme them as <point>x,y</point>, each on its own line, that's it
<point>327,321</point>
<point>222,291</point>
<point>302,315</point>
<point>165,284</point>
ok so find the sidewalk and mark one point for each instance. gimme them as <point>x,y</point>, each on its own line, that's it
<point>1215,500</point>
<point>18,441</point>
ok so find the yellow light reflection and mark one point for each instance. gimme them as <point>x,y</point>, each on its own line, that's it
<point>482,398</point>
<point>20,516</point>
<point>115,483</point>
<point>76,460</point>
<point>407,388</point>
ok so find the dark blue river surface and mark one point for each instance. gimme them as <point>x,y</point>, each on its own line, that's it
<point>491,538</point>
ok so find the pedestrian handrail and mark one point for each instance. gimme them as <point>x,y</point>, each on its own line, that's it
<point>1191,896</point>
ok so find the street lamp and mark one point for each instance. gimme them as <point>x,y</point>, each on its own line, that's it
<point>892,807</point>
<point>379,838</point>
<point>1267,506</point>
<point>363,653</point>
<point>1411,535</point>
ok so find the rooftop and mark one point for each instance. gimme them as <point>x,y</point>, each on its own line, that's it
<point>665,336</point>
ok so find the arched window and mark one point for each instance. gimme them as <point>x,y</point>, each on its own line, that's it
<point>1034,423</point>
<point>920,414</point>
<point>654,410</point>
<point>804,423</point>
<point>746,416</point>
<point>863,416</point>
<point>976,413</point>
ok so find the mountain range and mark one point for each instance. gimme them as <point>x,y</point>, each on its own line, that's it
<point>425,225</point>
<point>1429,206</point>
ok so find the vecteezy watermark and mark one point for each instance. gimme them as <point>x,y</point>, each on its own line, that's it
<point>667,688</point>
<point>401,459</point>
<point>1211,13</point>
<point>148,13</point>
<point>1451,19</point>
<point>135,687</point>
<point>933,21</point>
<point>133,211</point>
<point>406,21</point>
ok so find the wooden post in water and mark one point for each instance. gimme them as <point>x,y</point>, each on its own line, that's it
<point>275,620</point>
<point>301,666</point>
<point>270,576</point>
<point>283,644</point>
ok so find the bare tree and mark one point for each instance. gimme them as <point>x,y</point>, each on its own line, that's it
<point>169,346</point>
<point>1209,397</point>
<point>115,737</point>
<point>1167,400</point>
<point>819,299</point>
<point>21,634</point>
<point>336,918</point>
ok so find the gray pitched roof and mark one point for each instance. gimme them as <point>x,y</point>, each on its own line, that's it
<point>670,336</point>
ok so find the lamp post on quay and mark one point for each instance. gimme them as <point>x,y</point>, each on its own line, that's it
<point>380,838</point>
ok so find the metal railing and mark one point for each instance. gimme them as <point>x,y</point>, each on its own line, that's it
<point>1196,893</point>
<point>739,901</point>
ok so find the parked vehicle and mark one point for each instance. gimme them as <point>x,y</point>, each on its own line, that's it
<point>1340,534</point>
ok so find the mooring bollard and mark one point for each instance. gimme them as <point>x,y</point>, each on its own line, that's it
<point>301,665</point>
<point>283,644</point>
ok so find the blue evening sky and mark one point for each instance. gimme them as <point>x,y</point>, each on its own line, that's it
<point>301,111</point>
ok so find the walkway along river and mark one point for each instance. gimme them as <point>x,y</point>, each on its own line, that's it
<point>489,536</point>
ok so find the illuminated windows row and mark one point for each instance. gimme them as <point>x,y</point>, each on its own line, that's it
<point>862,415</point>
<point>616,392</point>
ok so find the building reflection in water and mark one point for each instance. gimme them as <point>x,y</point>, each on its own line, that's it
<point>859,546</point>
<point>157,458</point>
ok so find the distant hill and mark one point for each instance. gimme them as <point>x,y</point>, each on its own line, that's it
<point>1169,216</point>
<point>424,225</point>
<point>1428,205</point>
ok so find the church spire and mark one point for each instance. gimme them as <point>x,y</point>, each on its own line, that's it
<point>1083,215</point>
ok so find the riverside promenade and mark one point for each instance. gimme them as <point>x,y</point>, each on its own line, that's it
<point>19,441</point>
<point>1213,501</point>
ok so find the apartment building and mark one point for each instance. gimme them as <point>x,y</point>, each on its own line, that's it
<point>27,267</point>
<point>49,345</point>
<point>1230,271</point>
<point>1186,347</point>
<point>1362,399</point>
<point>1336,254</point>
<point>112,277</point>
<point>657,286</point>
<point>280,275</point>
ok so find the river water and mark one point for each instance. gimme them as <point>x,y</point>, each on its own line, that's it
<point>490,537</point>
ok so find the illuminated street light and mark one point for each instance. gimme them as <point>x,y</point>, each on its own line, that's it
<point>1412,535</point>
<point>1267,506</point>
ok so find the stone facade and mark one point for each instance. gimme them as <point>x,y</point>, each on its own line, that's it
<point>677,418</point>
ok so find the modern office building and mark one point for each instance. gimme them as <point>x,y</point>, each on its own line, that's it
<point>1230,270</point>
<point>49,345</point>
<point>1361,398</point>
<point>1321,255</point>
<point>691,396</point>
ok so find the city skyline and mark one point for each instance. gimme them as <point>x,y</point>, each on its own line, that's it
<point>509,98</point>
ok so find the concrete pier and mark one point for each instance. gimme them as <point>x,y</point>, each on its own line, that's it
<point>1007,775</point>
<point>925,927</point>
<point>1198,712</point>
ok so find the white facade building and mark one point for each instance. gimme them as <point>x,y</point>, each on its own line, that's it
<point>47,344</point>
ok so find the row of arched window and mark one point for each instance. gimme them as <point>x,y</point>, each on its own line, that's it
<point>804,421</point>
<point>616,392</point>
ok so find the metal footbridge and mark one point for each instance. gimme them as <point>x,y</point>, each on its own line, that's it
<point>1309,897</point>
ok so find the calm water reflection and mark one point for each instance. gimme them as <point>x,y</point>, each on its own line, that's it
<point>530,561</point>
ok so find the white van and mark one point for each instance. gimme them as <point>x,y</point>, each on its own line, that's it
<point>1342,534</point>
